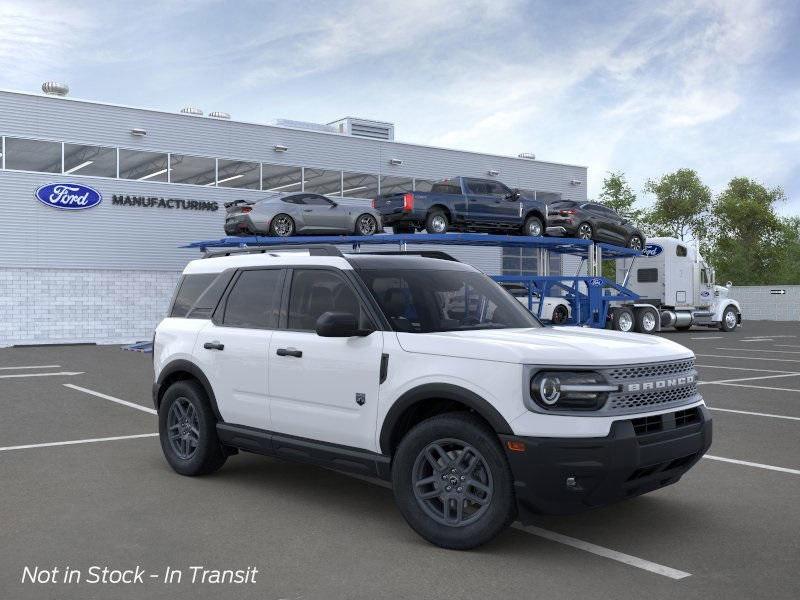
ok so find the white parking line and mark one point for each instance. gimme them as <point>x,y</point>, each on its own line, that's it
<point>111,398</point>
<point>734,380</point>
<point>31,367</point>
<point>749,358</point>
<point>759,350</point>
<point>17,375</point>
<point>787,346</point>
<point>752,464</point>
<point>757,340</point>
<point>758,387</point>
<point>743,369</point>
<point>767,337</point>
<point>633,561</point>
<point>754,414</point>
<point>73,442</point>
<point>710,337</point>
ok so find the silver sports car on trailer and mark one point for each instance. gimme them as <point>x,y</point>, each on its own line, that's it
<point>283,215</point>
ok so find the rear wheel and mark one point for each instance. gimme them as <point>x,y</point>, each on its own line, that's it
<point>452,482</point>
<point>533,227</point>
<point>436,222</point>
<point>281,226</point>
<point>623,320</point>
<point>366,224</point>
<point>187,430</point>
<point>729,319</point>
<point>585,231</point>
<point>645,320</point>
<point>560,314</point>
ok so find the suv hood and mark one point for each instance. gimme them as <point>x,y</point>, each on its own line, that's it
<point>563,346</point>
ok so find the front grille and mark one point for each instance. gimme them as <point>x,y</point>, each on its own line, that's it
<point>647,371</point>
<point>648,399</point>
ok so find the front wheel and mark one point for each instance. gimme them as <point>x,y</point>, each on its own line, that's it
<point>635,243</point>
<point>187,430</point>
<point>366,224</point>
<point>729,319</point>
<point>533,227</point>
<point>585,231</point>
<point>452,482</point>
<point>560,315</point>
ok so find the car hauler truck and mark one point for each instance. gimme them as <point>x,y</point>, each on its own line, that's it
<point>673,278</point>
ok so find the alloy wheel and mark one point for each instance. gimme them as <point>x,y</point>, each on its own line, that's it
<point>452,482</point>
<point>534,228</point>
<point>439,224</point>
<point>730,319</point>
<point>183,428</point>
<point>282,226</point>
<point>625,322</point>
<point>635,243</point>
<point>585,231</point>
<point>367,225</point>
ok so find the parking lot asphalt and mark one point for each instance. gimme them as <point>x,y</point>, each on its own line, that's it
<point>728,529</point>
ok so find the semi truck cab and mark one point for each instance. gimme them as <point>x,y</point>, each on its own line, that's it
<point>672,276</point>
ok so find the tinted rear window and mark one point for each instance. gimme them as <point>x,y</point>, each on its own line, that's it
<point>446,187</point>
<point>189,290</point>
<point>254,300</point>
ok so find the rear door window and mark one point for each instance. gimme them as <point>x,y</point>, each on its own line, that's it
<point>189,290</point>
<point>254,300</point>
<point>446,187</point>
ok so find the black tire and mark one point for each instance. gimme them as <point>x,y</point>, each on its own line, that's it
<point>635,242</point>
<point>362,228</point>
<point>585,231</point>
<point>276,226</point>
<point>560,314</point>
<point>623,320</point>
<point>434,220</point>
<point>646,320</point>
<point>490,518</point>
<point>209,455</point>
<point>729,323</point>
<point>403,228</point>
<point>533,227</point>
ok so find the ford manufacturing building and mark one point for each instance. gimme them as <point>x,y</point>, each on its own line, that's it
<point>106,274</point>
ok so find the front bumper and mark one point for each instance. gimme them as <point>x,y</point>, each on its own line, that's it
<point>569,475</point>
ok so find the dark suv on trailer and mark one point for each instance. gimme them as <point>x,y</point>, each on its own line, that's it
<point>593,221</point>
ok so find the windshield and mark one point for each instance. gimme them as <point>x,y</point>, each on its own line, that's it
<point>427,301</point>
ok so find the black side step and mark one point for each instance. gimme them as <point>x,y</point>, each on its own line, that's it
<point>333,456</point>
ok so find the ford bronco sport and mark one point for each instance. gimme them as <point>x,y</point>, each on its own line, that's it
<point>423,372</point>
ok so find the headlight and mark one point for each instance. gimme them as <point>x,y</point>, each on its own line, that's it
<point>570,390</point>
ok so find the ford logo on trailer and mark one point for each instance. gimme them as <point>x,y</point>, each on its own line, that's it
<point>68,196</point>
<point>652,250</point>
<point>596,282</point>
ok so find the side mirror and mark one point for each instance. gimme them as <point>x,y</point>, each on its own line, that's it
<point>339,324</point>
<point>514,195</point>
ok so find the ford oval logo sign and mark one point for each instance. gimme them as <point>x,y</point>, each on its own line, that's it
<point>595,282</point>
<point>652,250</point>
<point>68,196</point>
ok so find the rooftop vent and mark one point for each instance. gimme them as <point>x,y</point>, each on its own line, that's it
<point>53,88</point>
<point>376,130</point>
<point>192,110</point>
<point>303,125</point>
<point>527,155</point>
<point>219,115</point>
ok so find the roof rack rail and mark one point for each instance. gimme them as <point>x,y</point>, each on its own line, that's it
<point>424,253</point>
<point>312,249</point>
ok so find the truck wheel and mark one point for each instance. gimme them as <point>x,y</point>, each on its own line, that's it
<point>282,225</point>
<point>729,319</point>
<point>187,429</point>
<point>452,482</point>
<point>560,314</point>
<point>646,320</point>
<point>623,320</point>
<point>533,227</point>
<point>436,222</point>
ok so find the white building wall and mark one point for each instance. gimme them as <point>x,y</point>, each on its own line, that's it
<point>759,303</point>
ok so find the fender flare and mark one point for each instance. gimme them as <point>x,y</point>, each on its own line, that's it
<point>443,391</point>
<point>185,366</point>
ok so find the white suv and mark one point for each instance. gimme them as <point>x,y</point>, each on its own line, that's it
<point>423,372</point>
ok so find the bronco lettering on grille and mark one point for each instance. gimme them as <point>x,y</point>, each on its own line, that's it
<point>660,384</point>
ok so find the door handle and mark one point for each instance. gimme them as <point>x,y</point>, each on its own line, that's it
<point>307,210</point>
<point>214,346</point>
<point>289,352</point>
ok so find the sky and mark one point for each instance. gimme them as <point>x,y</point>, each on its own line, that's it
<point>639,87</point>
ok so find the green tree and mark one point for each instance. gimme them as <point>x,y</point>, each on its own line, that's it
<point>681,206</point>
<point>618,195</point>
<point>751,244</point>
